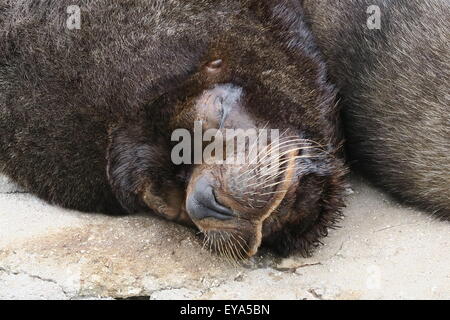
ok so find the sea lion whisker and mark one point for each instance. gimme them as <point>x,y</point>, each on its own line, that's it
<point>265,151</point>
<point>212,245</point>
<point>272,192</point>
<point>217,245</point>
<point>260,166</point>
<point>266,172</point>
<point>277,168</point>
<point>240,237</point>
<point>243,252</point>
<point>255,143</point>
<point>219,240</point>
<point>263,183</point>
<point>236,240</point>
<point>226,251</point>
<point>235,252</point>
<point>280,155</point>
<point>205,241</point>
<point>233,244</point>
<point>277,183</point>
<point>229,252</point>
<point>225,248</point>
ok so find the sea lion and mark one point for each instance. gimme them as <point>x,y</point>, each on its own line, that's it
<point>91,92</point>
<point>390,61</point>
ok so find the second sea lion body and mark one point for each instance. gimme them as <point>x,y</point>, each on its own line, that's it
<point>394,86</point>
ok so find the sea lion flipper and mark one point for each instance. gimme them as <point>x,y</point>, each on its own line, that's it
<point>138,173</point>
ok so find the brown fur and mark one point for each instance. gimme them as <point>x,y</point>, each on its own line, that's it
<point>394,86</point>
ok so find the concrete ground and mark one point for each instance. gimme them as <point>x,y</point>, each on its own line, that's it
<point>382,251</point>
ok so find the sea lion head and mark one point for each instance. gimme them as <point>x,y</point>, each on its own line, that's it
<point>260,80</point>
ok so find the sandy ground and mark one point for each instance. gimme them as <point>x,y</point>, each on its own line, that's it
<point>382,251</point>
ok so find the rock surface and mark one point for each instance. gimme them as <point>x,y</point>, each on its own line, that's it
<point>382,251</point>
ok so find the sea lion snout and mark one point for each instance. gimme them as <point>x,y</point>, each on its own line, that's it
<point>202,202</point>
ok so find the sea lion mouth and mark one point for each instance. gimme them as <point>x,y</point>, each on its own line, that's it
<point>240,237</point>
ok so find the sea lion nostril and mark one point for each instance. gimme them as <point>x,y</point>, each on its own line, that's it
<point>202,203</point>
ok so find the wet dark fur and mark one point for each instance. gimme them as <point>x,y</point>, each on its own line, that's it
<point>62,91</point>
<point>394,86</point>
<point>84,114</point>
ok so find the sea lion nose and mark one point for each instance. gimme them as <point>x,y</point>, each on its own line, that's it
<point>202,202</point>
